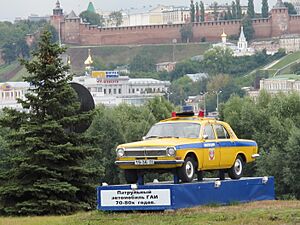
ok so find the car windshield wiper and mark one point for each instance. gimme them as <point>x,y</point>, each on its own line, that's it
<point>152,136</point>
<point>168,137</point>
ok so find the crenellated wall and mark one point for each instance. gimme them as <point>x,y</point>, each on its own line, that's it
<point>75,32</point>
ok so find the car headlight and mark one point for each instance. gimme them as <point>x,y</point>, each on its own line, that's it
<point>171,151</point>
<point>120,152</point>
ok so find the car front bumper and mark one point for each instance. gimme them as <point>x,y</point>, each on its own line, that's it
<point>156,162</point>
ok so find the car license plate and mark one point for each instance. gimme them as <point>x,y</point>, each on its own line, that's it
<point>144,162</point>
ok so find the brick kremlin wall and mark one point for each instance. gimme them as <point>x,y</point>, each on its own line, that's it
<point>75,32</point>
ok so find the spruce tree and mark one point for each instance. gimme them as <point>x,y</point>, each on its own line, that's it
<point>47,174</point>
<point>250,10</point>
<point>202,10</point>
<point>238,9</point>
<point>264,9</point>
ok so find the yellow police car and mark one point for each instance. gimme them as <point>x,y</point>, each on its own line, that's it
<point>187,145</point>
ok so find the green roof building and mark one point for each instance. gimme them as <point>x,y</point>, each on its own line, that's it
<point>91,8</point>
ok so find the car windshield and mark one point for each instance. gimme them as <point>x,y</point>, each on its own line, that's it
<point>176,130</point>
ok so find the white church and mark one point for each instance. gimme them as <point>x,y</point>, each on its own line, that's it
<point>241,49</point>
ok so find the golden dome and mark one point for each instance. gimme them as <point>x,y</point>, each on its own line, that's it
<point>89,60</point>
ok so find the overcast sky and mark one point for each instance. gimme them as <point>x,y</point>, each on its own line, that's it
<point>10,9</point>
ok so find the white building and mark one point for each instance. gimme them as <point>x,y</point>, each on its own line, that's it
<point>113,89</point>
<point>148,15</point>
<point>291,43</point>
<point>282,83</point>
<point>176,15</point>
<point>241,49</point>
<point>10,92</point>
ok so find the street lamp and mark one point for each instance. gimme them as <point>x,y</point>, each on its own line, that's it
<point>217,93</point>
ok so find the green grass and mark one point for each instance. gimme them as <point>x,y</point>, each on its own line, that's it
<point>266,212</point>
<point>287,60</point>
<point>6,68</point>
<point>124,54</point>
<point>19,76</point>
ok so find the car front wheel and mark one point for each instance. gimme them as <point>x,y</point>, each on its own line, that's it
<point>236,171</point>
<point>131,176</point>
<point>187,171</point>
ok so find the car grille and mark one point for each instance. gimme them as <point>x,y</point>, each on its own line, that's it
<point>144,152</point>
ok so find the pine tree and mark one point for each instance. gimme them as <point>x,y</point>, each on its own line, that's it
<point>192,11</point>
<point>264,9</point>
<point>233,10</point>
<point>202,10</point>
<point>238,9</point>
<point>47,174</point>
<point>197,12</point>
<point>250,10</point>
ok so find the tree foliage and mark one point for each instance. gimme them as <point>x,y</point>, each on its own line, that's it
<point>291,8</point>
<point>192,12</point>
<point>186,32</point>
<point>142,62</point>
<point>250,10</point>
<point>115,18</point>
<point>238,9</point>
<point>248,27</point>
<point>197,12</point>
<point>202,12</point>
<point>233,10</point>
<point>273,122</point>
<point>92,18</point>
<point>48,174</point>
<point>265,9</point>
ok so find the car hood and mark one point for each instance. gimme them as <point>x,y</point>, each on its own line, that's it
<point>160,142</point>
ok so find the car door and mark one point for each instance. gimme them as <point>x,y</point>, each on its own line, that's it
<point>226,146</point>
<point>211,159</point>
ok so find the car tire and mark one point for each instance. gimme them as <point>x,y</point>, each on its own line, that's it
<point>236,171</point>
<point>131,176</point>
<point>187,171</point>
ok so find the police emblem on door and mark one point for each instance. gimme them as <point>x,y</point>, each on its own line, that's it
<point>211,154</point>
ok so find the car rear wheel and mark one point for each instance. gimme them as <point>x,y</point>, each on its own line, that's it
<point>236,171</point>
<point>187,171</point>
<point>131,176</point>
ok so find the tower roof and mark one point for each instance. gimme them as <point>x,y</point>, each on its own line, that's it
<point>279,4</point>
<point>91,7</point>
<point>57,4</point>
<point>223,34</point>
<point>72,15</point>
<point>242,35</point>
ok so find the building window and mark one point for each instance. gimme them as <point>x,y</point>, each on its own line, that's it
<point>115,91</point>
<point>120,91</point>
<point>105,91</point>
<point>99,89</point>
<point>133,90</point>
<point>109,91</point>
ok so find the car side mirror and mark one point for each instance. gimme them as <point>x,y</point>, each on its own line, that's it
<point>205,136</point>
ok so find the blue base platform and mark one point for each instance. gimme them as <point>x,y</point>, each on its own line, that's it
<point>165,196</point>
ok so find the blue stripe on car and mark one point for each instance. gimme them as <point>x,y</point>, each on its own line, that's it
<point>217,144</point>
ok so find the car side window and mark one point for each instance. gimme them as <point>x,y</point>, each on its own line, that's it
<point>221,132</point>
<point>209,131</point>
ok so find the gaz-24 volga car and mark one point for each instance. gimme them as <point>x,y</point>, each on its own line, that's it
<point>187,144</point>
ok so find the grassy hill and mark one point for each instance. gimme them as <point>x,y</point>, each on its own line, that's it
<point>124,54</point>
<point>113,54</point>
<point>265,212</point>
<point>283,65</point>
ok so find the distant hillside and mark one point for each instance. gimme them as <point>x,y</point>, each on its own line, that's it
<point>124,54</point>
